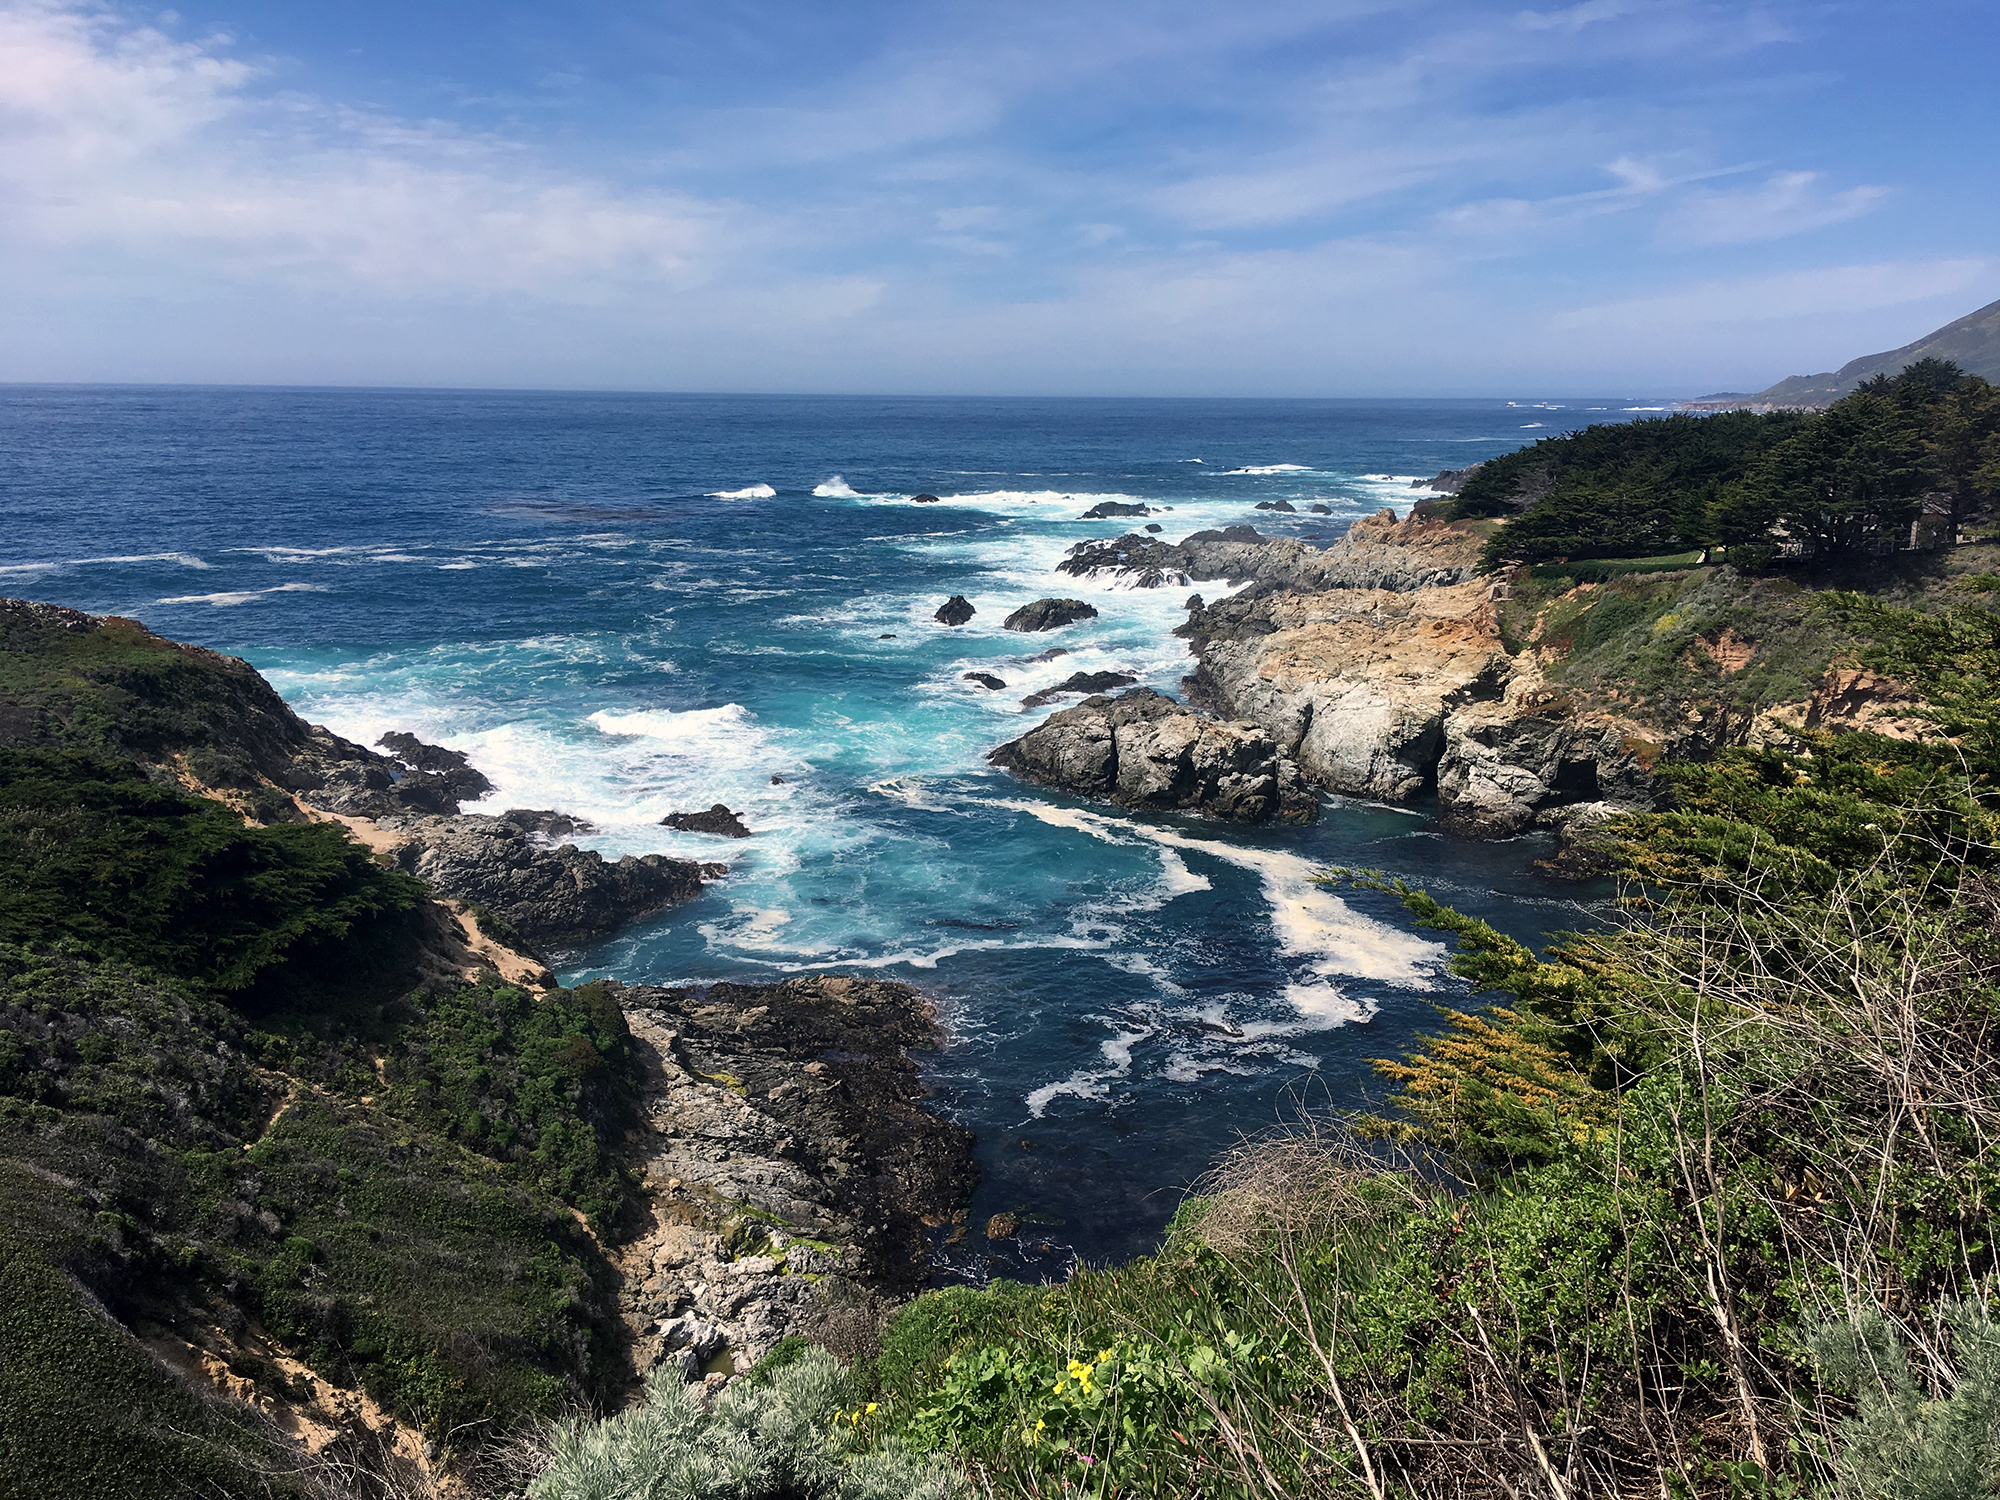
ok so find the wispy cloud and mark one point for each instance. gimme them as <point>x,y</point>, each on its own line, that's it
<point>1112,194</point>
<point>1787,203</point>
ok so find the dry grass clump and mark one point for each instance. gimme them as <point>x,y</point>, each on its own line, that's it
<point>1305,1181</point>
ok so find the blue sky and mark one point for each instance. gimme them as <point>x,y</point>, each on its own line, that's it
<point>1334,198</point>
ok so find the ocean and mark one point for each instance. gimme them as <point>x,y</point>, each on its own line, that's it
<point>624,605</point>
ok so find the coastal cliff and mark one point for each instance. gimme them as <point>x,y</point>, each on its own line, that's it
<point>312,1179</point>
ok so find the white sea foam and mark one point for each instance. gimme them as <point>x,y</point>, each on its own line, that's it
<point>693,728</point>
<point>749,492</point>
<point>835,488</point>
<point>1326,938</point>
<point>1526,425</point>
<point>1273,469</point>
<point>242,596</point>
<point>42,567</point>
<point>185,559</point>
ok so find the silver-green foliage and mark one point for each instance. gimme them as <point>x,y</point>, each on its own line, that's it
<point>1899,1444</point>
<point>779,1440</point>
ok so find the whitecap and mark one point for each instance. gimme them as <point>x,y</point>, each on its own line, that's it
<point>750,492</point>
<point>1273,469</point>
<point>242,596</point>
<point>1526,425</point>
<point>835,488</point>
<point>685,727</point>
<point>185,559</point>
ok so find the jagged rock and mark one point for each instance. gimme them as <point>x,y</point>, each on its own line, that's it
<point>1282,505</point>
<point>450,766</point>
<point>1450,482</point>
<point>1382,692</point>
<point>1144,750</point>
<point>793,1168</point>
<point>555,827</point>
<point>718,820</point>
<point>1193,602</point>
<point>1378,551</point>
<point>1048,614</point>
<point>955,611</point>
<point>1079,682</point>
<point>549,896</point>
<point>925,499</point>
<point>986,680</point>
<point>1107,508</point>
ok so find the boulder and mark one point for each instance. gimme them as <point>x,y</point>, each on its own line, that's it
<point>1143,750</point>
<point>1079,682</point>
<point>1107,508</point>
<point>925,499</point>
<point>718,820</point>
<point>955,611</point>
<point>1048,614</point>
<point>986,680</point>
<point>1321,510</point>
<point>1283,505</point>
<point>1153,526</point>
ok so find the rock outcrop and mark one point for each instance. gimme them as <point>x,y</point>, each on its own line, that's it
<point>955,611</point>
<point>794,1174</point>
<point>718,820</point>
<point>1079,683</point>
<point>1107,508</point>
<point>1388,690</point>
<point>925,499</point>
<point>1145,751</point>
<point>986,680</point>
<point>551,897</point>
<point>1376,552</point>
<point>1048,614</point>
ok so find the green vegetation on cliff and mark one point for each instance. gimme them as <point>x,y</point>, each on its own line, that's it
<point>1922,446</point>
<point>235,1118</point>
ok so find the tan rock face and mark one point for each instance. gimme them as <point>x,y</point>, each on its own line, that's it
<point>1382,692</point>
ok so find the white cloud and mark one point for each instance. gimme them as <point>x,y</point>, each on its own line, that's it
<point>123,138</point>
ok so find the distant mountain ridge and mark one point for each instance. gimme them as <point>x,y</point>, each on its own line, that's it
<point>1972,343</point>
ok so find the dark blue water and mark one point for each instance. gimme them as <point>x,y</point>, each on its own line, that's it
<point>625,605</point>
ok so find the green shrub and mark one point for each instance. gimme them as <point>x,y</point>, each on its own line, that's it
<point>785,1438</point>
<point>1899,1444</point>
<point>93,853</point>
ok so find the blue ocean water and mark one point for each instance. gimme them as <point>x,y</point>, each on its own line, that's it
<point>626,605</point>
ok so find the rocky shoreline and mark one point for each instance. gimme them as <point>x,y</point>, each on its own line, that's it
<point>1374,668</point>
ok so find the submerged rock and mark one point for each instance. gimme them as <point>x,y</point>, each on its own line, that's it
<point>925,499</point>
<point>955,611</point>
<point>1144,750</point>
<point>1079,682</point>
<point>718,820</point>
<point>1048,614</point>
<point>986,680</point>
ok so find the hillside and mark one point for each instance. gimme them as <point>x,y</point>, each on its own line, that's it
<point>1972,343</point>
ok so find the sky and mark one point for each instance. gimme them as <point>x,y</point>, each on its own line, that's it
<point>1083,197</point>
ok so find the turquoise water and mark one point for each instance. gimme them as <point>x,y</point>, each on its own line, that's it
<point>626,605</point>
